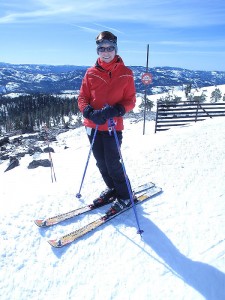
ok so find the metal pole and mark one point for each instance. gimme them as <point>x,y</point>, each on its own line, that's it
<point>53,176</point>
<point>112,125</point>
<point>145,98</point>
<point>78,195</point>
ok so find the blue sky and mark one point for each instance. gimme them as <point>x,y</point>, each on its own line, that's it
<point>187,34</point>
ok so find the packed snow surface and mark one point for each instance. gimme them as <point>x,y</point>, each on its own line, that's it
<point>181,254</point>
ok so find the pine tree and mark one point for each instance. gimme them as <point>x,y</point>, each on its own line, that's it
<point>216,95</point>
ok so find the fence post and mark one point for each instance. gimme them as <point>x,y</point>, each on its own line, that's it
<point>196,115</point>
<point>156,117</point>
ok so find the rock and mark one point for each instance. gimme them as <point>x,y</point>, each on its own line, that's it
<point>31,151</point>
<point>14,162</point>
<point>49,149</point>
<point>17,140</point>
<point>4,141</point>
<point>5,157</point>
<point>39,163</point>
<point>38,149</point>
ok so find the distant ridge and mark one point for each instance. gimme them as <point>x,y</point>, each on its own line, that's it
<point>38,78</point>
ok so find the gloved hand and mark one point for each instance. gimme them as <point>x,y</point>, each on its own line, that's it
<point>117,110</point>
<point>95,116</point>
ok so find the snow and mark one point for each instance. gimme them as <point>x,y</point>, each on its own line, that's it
<point>178,92</point>
<point>181,254</point>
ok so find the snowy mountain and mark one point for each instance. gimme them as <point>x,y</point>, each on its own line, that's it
<point>39,78</point>
<point>58,79</point>
<point>181,254</point>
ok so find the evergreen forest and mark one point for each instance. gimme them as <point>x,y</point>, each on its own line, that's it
<point>28,113</point>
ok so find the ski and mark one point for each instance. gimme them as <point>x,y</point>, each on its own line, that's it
<point>75,235</point>
<point>79,211</point>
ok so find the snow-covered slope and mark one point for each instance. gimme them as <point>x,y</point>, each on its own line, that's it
<point>182,252</point>
<point>207,91</point>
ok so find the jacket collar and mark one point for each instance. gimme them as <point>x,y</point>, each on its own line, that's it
<point>118,60</point>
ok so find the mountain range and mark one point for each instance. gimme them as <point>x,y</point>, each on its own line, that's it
<point>33,78</point>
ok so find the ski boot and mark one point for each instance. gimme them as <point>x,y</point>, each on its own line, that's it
<point>119,205</point>
<point>105,197</point>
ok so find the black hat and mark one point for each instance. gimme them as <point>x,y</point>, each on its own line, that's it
<point>106,35</point>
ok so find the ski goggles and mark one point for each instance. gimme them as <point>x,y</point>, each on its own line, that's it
<point>108,49</point>
<point>114,41</point>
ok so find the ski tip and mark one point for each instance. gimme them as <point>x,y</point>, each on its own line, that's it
<point>40,223</point>
<point>55,243</point>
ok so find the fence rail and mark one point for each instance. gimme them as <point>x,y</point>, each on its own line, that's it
<point>179,114</point>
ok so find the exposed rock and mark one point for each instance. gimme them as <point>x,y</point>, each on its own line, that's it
<point>47,137</point>
<point>33,150</point>
<point>38,149</point>
<point>4,141</point>
<point>18,140</point>
<point>18,145</point>
<point>14,162</point>
<point>39,163</point>
<point>21,154</point>
<point>4,157</point>
<point>48,149</point>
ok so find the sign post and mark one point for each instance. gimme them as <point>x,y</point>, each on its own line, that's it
<point>146,79</point>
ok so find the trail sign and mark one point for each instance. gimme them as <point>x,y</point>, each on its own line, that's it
<point>146,78</point>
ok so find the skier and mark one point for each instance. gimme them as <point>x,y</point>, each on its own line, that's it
<point>108,91</point>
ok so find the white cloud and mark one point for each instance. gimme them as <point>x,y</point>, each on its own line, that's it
<point>161,13</point>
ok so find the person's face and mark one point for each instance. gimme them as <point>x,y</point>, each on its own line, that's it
<point>107,56</point>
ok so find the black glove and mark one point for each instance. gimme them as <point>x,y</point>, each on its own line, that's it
<point>117,110</point>
<point>95,116</point>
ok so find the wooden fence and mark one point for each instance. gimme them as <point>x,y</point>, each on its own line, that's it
<point>180,114</point>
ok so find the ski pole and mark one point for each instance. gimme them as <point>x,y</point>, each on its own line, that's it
<point>53,176</point>
<point>78,195</point>
<point>111,125</point>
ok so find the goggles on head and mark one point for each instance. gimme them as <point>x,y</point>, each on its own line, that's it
<point>106,35</point>
<point>106,40</point>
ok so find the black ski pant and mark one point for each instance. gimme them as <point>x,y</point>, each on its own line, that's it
<point>107,157</point>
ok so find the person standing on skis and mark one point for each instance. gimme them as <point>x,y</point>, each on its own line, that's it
<point>108,91</point>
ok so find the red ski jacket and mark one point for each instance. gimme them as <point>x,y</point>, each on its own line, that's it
<point>101,86</point>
